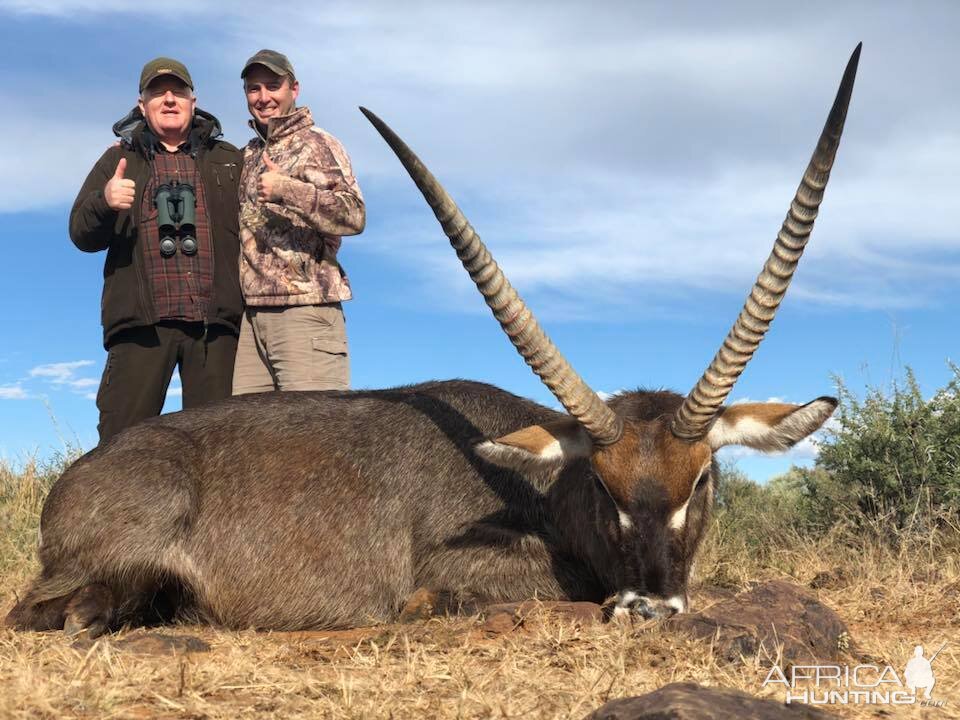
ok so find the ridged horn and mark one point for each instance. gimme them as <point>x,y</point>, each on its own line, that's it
<point>702,403</point>
<point>516,319</point>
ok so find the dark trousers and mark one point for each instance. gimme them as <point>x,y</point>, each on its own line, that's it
<point>140,363</point>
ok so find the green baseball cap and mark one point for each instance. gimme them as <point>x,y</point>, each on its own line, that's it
<point>164,66</point>
<point>272,61</point>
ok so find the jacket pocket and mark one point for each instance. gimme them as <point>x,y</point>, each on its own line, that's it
<point>105,378</point>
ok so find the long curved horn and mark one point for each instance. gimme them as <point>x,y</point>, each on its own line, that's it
<point>701,405</point>
<point>603,425</point>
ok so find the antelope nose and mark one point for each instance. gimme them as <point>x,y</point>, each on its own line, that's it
<point>649,608</point>
<point>656,609</point>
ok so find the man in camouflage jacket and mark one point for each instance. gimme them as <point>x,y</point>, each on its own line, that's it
<point>298,196</point>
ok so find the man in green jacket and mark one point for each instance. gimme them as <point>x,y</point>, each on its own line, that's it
<point>171,292</point>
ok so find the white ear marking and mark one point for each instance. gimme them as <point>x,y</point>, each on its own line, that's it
<point>768,426</point>
<point>537,447</point>
<point>514,457</point>
<point>679,518</point>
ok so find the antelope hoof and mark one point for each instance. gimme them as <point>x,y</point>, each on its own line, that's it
<point>421,605</point>
<point>88,613</point>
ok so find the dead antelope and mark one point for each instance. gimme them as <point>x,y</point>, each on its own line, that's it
<point>297,510</point>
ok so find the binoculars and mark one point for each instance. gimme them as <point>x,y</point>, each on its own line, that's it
<point>176,204</point>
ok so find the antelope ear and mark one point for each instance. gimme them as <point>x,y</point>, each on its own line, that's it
<point>548,445</point>
<point>769,426</point>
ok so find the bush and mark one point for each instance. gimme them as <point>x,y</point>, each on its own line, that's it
<point>892,460</point>
<point>752,523</point>
<point>889,466</point>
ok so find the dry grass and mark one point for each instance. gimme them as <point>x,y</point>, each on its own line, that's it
<point>449,668</point>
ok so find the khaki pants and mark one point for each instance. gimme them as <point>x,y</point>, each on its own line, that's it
<point>292,348</point>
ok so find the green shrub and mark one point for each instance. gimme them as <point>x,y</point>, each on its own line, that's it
<point>892,461</point>
<point>889,466</point>
<point>753,520</point>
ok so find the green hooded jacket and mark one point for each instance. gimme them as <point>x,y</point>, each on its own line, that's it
<point>126,300</point>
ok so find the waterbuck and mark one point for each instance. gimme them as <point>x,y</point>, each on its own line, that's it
<point>330,509</point>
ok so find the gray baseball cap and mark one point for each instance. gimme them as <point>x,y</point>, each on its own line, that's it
<point>272,60</point>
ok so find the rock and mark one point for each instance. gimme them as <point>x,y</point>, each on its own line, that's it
<point>689,701</point>
<point>707,595</point>
<point>501,622</point>
<point>759,621</point>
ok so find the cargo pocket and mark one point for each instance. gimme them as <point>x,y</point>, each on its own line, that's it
<point>105,379</point>
<point>329,364</point>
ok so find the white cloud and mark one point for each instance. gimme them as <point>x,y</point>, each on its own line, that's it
<point>83,383</point>
<point>175,388</point>
<point>741,401</point>
<point>64,375</point>
<point>657,153</point>
<point>83,9</point>
<point>59,373</point>
<point>609,235</point>
<point>13,392</point>
<point>42,379</point>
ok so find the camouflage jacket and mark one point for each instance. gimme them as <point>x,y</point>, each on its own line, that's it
<point>288,248</point>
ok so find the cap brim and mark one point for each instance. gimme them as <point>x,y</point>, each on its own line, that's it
<point>166,74</point>
<point>276,69</point>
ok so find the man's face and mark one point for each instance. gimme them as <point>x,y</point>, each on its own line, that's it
<point>268,94</point>
<point>168,104</point>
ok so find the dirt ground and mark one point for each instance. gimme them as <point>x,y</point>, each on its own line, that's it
<point>453,667</point>
<point>548,667</point>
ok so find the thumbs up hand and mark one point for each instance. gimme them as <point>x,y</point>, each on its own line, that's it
<point>266,186</point>
<point>119,192</point>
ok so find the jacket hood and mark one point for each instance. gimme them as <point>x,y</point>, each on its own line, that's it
<point>134,133</point>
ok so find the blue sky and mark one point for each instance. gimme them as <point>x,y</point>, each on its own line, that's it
<point>628,165</point>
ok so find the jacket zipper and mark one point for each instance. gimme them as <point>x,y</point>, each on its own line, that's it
<point>202,161</point>
<point>149,311</point>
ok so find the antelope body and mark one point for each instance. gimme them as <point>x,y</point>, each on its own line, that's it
<point>297,510</point>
